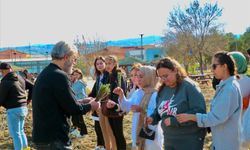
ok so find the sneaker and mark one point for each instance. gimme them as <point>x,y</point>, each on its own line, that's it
<point>99,148</point>
<point>75,134</point>
<point>81,136</point>
<point>26,148</point>
<point>71,129</point>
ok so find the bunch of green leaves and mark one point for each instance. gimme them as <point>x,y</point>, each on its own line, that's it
<point>103,92</point>
<point>119,78</point>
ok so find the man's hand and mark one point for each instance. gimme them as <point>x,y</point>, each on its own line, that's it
<point>86,100</point>
<point>94,105</point>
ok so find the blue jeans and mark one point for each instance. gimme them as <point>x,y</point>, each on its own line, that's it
<point>16,118</point>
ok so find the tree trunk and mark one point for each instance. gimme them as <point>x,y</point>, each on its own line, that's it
<point>201,62</point>
<point>186,68</point>
<point>185,62</point>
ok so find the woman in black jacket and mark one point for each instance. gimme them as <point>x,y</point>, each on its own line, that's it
<point>99,64</point>
<point>115,78</point>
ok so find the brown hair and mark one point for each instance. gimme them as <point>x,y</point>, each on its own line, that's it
<point>77,70</point>
<point>172,64</point>
<point>97,72</point>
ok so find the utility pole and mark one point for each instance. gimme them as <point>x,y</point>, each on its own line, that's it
<point>29,49</point>
<point>141,46</point>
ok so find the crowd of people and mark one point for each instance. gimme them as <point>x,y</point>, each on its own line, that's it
<point>169,109</point>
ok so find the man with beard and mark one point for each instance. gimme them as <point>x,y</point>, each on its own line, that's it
<point>53,101</point>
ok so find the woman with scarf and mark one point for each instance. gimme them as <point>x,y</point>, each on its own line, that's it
<point>142,103</point>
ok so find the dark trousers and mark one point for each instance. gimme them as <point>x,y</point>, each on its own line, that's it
<point>57,145</point>
<point>99,136</point>
<point>117,128</point>
<point>78,122</point>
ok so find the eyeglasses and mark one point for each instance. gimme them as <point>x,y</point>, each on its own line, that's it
<point>214,66</point>
<point>163,77</point>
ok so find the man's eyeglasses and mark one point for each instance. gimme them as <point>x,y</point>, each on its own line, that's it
<point>214,66</point>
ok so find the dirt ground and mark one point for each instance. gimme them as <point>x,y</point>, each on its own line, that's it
<point>88,142</point>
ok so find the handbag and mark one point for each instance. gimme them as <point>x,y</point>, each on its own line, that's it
<point>147,133</point>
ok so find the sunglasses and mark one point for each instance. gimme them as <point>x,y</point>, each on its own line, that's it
<point>214,66</point>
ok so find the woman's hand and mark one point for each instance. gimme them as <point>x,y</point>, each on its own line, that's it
<point>136,108</point>
<point>167,122</point>
<point>185,117</point>
<point>119,91</point>
<point>148,120</point>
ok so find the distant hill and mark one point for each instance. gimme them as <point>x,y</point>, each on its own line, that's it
<point>37,49</point>
<point>148,40</point>
<point>44,49</point>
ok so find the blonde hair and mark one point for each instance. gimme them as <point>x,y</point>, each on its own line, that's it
<point>136,66</point>
<point>114,59</point>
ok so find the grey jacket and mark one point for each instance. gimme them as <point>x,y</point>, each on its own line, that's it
<point>224,117</point>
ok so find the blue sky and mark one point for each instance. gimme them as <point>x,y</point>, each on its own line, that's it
<point>24,22</point>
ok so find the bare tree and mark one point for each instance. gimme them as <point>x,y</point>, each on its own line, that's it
<point>179,47</point>
<point>195,25</point>
<point>89,46</point>
<point>88,49</point>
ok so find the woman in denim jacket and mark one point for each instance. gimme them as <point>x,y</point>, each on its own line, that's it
<point>226,106</point>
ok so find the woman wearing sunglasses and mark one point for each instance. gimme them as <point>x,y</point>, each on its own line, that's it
<point>226,106</point>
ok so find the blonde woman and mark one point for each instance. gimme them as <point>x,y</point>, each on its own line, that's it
<point>79,88</point>
<point>114,77</point>
<point>133,79</point>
